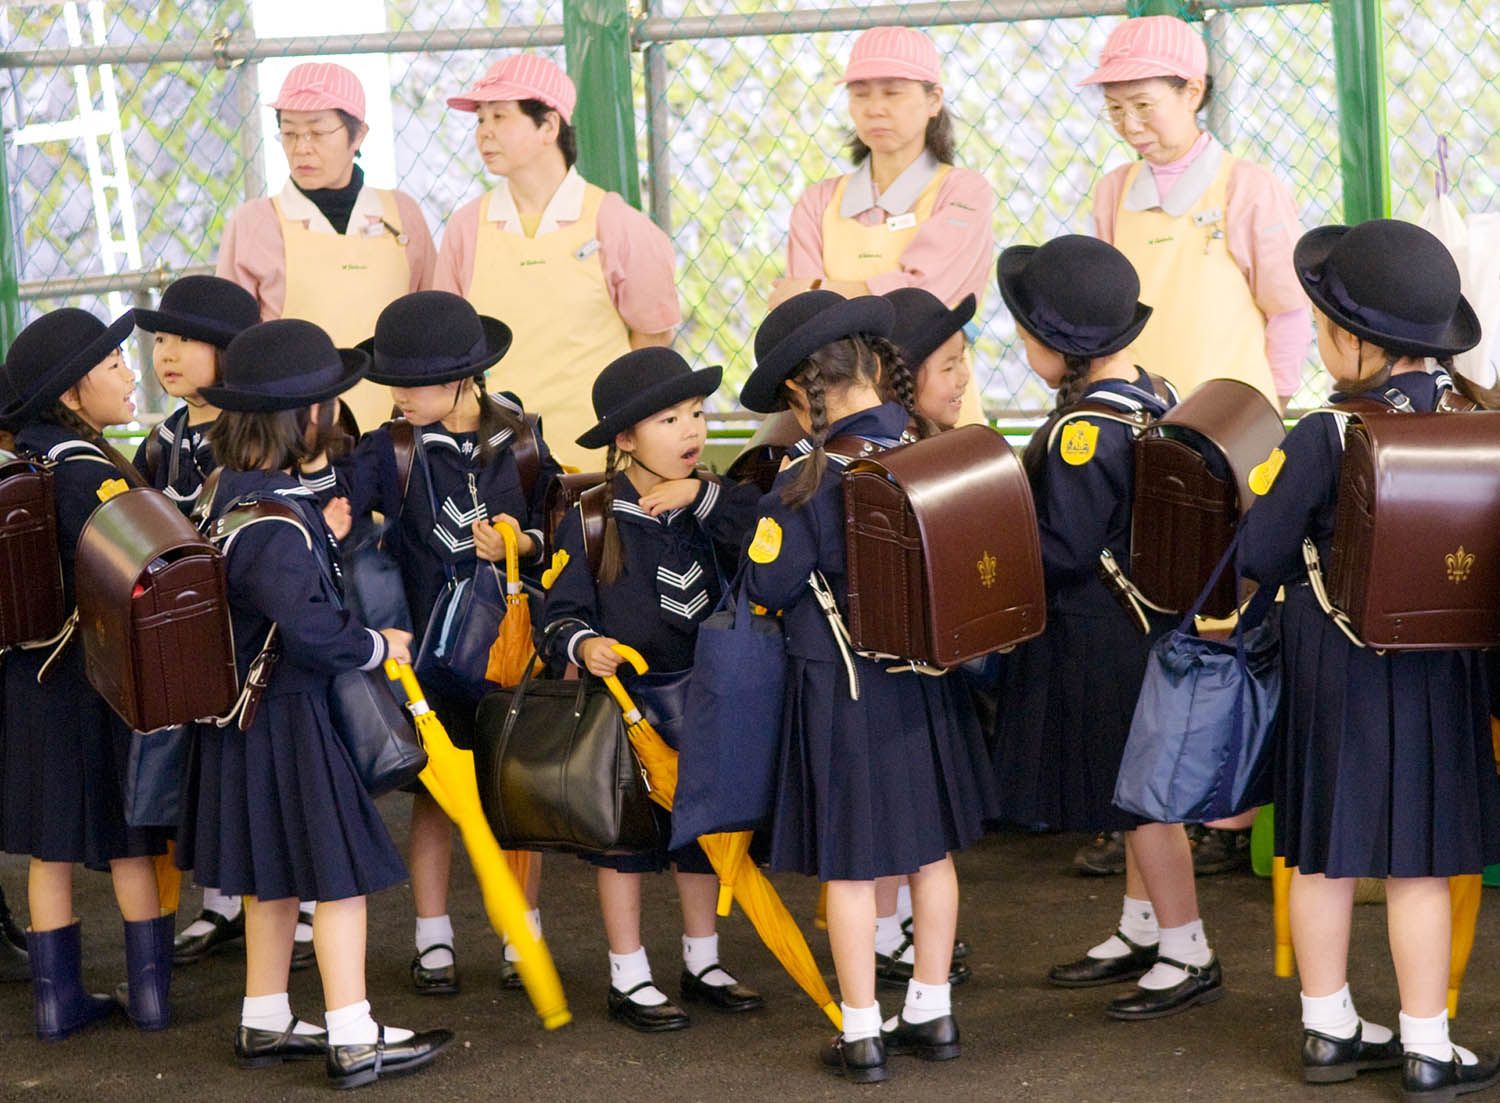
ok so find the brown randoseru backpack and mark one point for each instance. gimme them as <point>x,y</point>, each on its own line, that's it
<point>31,584</point>
<point>1415,563</point>
<point>943,554</point>
<point>1192,487</point>
<point>153,611</point>
<point>563,493</point>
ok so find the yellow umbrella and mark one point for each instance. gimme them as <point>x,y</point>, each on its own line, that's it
<point>513,653</point>
<point>449,777</point>
<point>729,852</point>
<point>168,880</point>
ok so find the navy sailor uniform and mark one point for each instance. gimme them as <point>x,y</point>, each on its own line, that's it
<point>279,811</point>
<point>182,455</point>
<point>669,582</point>
<point>63,751</point>
<point>1069,695</point>
<point>870,788</point>
<point>1385,766</point>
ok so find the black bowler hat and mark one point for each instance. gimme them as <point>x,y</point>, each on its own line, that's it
<point>432,337</point>
<point>801,326</point>
<point>1390,283</point>
<point>1077,295</point>
<point>643,382</point>
<point>923,323</point>
<point>52,354</point>
<point>202,308</point>
<point>284,365</point>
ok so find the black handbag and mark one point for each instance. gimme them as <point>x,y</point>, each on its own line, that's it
<point>156,772</point>
<point>556,770</point>
<point>376,731</point>
<point>373,589</point>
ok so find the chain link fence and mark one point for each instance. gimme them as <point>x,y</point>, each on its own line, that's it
<point>134,166</point>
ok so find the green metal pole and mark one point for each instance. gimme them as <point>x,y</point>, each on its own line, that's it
<point>10,279</point>
<point>1364,144</point>
<point>596,36</point>
<point>1191,10</point>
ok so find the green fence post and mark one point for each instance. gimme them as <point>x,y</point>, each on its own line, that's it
<point>1191,10</point>
<point>1359,68</point>
<point>596,37</point>
<point>10,279</point>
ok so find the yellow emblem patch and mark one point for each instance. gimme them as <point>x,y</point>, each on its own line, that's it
<point>1078,441</point>
<point>559,561</point>
<point>767,543</point>
<point>1263,475</point>
<point>110,487</point>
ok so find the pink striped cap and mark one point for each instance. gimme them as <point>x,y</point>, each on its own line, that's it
<point>521,77</point>
<point>893,52</point>
<point>1152,46</point>
<point>321,86</point>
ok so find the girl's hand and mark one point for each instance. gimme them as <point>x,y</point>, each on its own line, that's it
<point>338,517</point>
<point>397,645</point>
<point>599,656</point>
<point>488,543</point>
<point>524,544</point>
<point>669,495</point>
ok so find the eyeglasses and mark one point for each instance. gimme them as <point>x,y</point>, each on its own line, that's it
<point>1117,114</point>
<point>290,138</point>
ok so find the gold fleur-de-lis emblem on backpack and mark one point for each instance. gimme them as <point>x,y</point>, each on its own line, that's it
<point>986,565</point>
<point>1459,564</point>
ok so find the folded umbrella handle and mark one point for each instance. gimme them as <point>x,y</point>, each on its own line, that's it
<point>617,690</point>
<point>512,557</point>
<point>416,700</point>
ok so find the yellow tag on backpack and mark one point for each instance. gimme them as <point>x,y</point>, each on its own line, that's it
<point>767,543</point>
<point>1263,475</point>
<point>1078,441</point>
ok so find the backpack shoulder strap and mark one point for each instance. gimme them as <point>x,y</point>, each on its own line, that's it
<point>1138,421</point>
<point>153,454</point>
<point>591,510</point>
<point>527,450</point>
<point>404,441</point>
<point>242,515</point>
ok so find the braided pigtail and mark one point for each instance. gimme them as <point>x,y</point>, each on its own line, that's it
<point>1075,379</point>
<point>612,554</point>
<point>800,490</point>
<point>901,383</point>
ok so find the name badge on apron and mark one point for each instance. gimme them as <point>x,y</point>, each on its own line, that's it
<point>899,222</point>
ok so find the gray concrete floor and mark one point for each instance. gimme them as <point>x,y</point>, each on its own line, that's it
<point>1023,1040</point>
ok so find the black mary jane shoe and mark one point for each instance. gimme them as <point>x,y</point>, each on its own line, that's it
<point>439,981</point>
<point>510,976</point>
<point>1428,1080</point>
<point>648,1020</point>
<point>934,1040</point>
<point>1329,1060</point>
<point>732,998</point>
<point>861,1062</point>
<point>1203,984</point>
<point>1087,972</point>
<point>191,949</point>
<point>357,1065</point>
<point>304,954</point>
<point>256,1049</point>
<point>892,972</point>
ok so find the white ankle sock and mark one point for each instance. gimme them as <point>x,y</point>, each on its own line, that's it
<point>1137,923</point>
<point>888,934</point>
<point>534,919</point>
<point>925,1002</point>
<point>700,954</point>
<point>305,911</point>
<point>436,930</point>
<point>903,902</point>
<point>861,1022</point>
<point>628,970</point>
<point>1429,1037</point>
<point>1186,944</point>
<point>271,1013</point>
<point>216,902</point>
<point>354,1026</point>
<point>1334,1016</point>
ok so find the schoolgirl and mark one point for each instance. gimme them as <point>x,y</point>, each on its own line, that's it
<point>62,751</point>
<point>886,784</point>
<point>463,474</point>
<point>665,531</point>
<point>1385,766</point>
<point>933,342</point>
<point>1069,695</point>
<point>276,813</point>
<point>197,317</point>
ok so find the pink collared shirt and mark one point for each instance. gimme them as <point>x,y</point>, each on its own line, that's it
<point>951,255</point>
<point>1262,229</point>
<point>252,255</point>
<point>637,259</point>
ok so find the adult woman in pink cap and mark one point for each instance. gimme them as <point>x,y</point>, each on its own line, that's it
<point>579,275</point>
<point>906,216</point>
<point>1210,234</point>
<point>327,248</point>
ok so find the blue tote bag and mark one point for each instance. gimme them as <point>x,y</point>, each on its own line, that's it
<point>730,735</point>
<point>1201,740</point>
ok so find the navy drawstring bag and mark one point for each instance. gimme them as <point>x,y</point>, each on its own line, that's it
<point>1202,737</point>
<point>731,727</point>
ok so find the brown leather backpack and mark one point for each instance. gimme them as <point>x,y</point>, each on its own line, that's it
<point>31,597</point>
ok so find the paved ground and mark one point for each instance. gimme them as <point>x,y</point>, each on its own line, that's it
<point>1023,1040</point>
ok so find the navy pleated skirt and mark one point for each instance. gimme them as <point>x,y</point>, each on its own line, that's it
<point>880,786</point>
<point>62,768</point>
<point>279,811</point>
<point>1385,767</point>
<point>1064,715</point>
